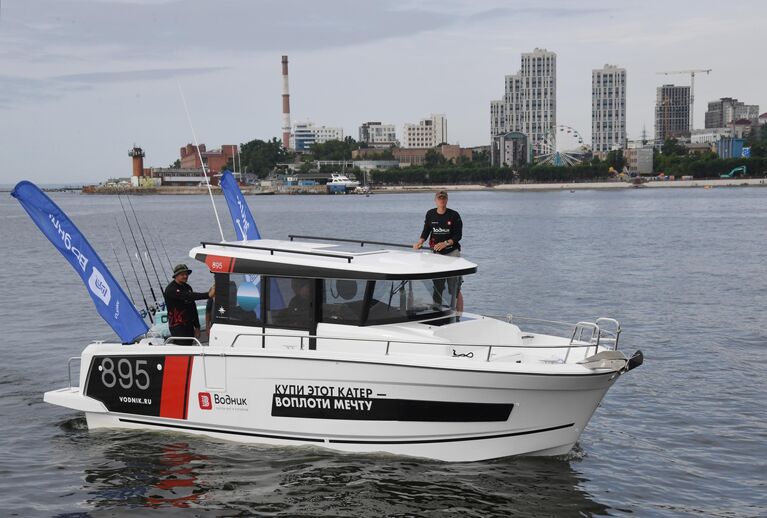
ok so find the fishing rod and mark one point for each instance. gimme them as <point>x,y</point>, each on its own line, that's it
<point>125,281</point>
<point>157,254</point>
<point>135,274</point>
<point>165,251</point>
<point>138,252</point>
<point>154,243</point>
<point>141,233</point>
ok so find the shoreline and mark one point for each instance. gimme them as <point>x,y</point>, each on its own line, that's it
<point>526,187</point>
<point>541,187</point>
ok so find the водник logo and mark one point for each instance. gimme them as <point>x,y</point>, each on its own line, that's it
<point>206,402</point>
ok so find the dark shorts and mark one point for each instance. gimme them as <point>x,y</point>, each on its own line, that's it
<point>457,253</point>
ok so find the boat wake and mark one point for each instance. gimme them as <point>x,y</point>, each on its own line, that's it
<point>75,424</point>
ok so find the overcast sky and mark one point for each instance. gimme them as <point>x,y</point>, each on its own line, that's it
<point>81,81</point>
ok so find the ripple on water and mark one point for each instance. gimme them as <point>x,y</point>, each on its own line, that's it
<point>685,434</point>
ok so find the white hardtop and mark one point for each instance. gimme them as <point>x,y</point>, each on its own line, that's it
<point>331,258</point>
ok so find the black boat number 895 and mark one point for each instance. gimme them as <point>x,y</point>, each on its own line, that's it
<point>126,373</point>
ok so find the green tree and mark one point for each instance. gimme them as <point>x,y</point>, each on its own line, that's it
<point>334,149</point>
<point>481,157</point>
<point>671,146</point>
<point>434,158</point>
<point>176,164</point>
<point>259,157</point>
<point>615,159</point>
<point>757,141</point>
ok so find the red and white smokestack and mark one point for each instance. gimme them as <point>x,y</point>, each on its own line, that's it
<point>285,105</point>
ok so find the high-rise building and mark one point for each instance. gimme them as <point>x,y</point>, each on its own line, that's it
<point>608,109</point>
<point>429,132</point>
<point>306,133</point>
<point>672,112</point>
<point>378,135</point>
<point>529,103</point>
<point>722,112</point>
<point>509,149</point>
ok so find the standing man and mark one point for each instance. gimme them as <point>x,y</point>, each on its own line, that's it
<point>446,229</point>
<point>183,319</point>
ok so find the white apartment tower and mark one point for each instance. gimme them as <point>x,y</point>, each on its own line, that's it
<point>529,103</point>
<point>306,133</point>
<point>429,132</point>
<point>608,109</point>
<point>377,134</point>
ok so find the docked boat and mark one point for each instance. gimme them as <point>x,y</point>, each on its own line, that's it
<point>353,346</point>
<point>341,180</point>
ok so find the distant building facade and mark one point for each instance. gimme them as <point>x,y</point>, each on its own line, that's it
<point>214,160</point>
<point>429,132</point>
<point>639,158</point>
<point>306,133</point>
<point>376,134</point>
<point>529,103</point>
<point>608,108</point>
<point>730,147</point>
<point>509,149</point>
<point>417,156</point>
<point>723,111</point>
<point>672,112</point>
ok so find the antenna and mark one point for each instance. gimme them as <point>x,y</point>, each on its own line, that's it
<point>199,154</point>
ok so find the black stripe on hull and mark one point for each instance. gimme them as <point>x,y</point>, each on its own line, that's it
<point>457,439</point>
<point>345,441</point>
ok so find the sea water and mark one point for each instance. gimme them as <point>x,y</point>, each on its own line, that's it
<point>684,270</point>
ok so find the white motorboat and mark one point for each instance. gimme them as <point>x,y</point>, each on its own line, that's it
<point>357,348</point>
<point>341,180</point>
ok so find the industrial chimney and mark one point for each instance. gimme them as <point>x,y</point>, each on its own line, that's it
<point>285,105</point>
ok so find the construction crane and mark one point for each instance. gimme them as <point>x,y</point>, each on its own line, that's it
<point>692,85</point>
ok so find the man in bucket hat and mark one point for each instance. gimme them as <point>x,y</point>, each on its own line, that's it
<point>183,319</point>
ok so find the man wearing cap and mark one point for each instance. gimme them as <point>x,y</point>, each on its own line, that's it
<point>183,319</point>
<point>444,229</point>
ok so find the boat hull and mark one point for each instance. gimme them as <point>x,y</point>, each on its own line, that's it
<point>447,413</point>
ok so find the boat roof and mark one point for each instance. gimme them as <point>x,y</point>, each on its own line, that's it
<point>347,260</point>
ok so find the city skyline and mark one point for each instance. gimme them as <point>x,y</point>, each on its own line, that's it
<point>84,80</point>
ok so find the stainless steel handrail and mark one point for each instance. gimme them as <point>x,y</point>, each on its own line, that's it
<point>172,339</point>
<point>389,342</point>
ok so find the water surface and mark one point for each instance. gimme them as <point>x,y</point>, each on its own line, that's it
<point>684,270</point>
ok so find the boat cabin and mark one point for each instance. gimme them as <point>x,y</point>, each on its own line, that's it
<point>299,285</point>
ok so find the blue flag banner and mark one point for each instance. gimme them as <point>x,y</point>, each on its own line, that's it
<point>244,224</point>
<point>112,303</point>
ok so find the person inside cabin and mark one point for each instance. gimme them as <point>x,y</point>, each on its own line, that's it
<point>300,305</point>
<point>183,319</point>
<point>444,229</point>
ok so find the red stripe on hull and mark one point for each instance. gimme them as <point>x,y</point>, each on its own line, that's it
<point>175,385</point>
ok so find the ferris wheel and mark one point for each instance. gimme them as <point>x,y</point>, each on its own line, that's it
<point>562,146</point>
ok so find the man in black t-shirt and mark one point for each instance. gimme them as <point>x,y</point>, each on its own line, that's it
<point>183,319</point>
<point>443,228</point>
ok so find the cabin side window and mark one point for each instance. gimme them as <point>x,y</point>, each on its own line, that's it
<point>291,302</point>
<point>238,299</point>
<point>343,301</point>
<point>399,301</point>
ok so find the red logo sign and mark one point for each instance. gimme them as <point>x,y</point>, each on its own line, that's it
<point>218,263</point>
<point>206,402</point>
